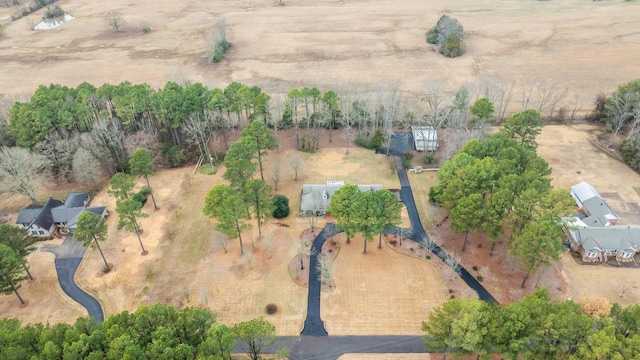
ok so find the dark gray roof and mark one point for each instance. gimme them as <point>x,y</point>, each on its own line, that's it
<point>27,215</point>
<point>63,215</point>
<point>98,210</point>
<point>614,237</point>
<point>44,218</point>
<point>77,199</point>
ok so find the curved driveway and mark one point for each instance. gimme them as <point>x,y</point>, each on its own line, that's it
<point>68,257</point>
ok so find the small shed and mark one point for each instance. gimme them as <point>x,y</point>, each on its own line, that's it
<point>425,138</point>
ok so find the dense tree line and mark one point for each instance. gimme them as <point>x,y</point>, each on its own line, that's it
<point>501,184</point>
<point>151,332</point>
<point>535,328</point>
<point>88,133</point>
<point>231,205</point>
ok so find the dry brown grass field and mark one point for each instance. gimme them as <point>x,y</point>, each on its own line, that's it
<point>584,47</point>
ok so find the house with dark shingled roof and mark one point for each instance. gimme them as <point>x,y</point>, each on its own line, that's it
<point>42,221</point>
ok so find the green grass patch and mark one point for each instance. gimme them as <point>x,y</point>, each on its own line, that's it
<point>208,170</point>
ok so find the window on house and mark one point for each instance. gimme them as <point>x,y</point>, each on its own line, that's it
<point>611,252</point>
<point>626,254</point>
<point>41,232</point>
<point>592,253</point>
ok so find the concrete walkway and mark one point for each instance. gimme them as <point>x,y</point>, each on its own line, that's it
<point>68,257</point>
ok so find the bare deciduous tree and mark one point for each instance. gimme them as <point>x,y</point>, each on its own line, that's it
<point>22,172</point>
<point>434,97</point>
<point>325,267</point>
<point>115,20</point>
<point>86,169</point>
<point>548,96</point>
<point>619,108</point>
<point>147,141</point>
<point>526,91</point>
<point>296,164</point>
<point>109,135</point>
<point>59,149</point>
<point>499,92</point>
<point>578,101</point>
<point>303,249</point>
<point>275,172</point>
<point>220,239</point>
<point>199,132</point>
<point>348,119</point>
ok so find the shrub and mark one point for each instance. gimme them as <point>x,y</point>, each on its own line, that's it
<point>140,197</point>
<point>630,150</point>
<point>174,155</point>
<point>271,309</point>
<point>407,156</point>
<point>145,189</point>
<point>280,206</point>
<point>432,35</point>
<point>53,13</point>
<point>480,278</point>
<point>428,159</point>
<point>207,170</point>
<point>453,46</point>
<point>428,257</point>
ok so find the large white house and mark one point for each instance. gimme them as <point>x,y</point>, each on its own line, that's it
<point>593,232</point>
<point>42,221</point>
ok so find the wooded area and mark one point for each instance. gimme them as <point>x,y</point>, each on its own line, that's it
<point>151,332</point>
<point>535,328</point>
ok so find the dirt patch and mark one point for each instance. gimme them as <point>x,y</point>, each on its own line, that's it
<point>299,270</point>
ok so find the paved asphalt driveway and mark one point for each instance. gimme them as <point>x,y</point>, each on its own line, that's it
<point>68,257</point>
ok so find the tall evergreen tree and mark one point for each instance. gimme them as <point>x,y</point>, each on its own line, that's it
<point>141,164</point>
<point>91,231</point>
<point>11,267</point>
<point>18,240</point>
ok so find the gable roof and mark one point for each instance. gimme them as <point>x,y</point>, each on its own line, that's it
<point>316,197</point>
<point>77,199</point>
<point>55,211</point>
<point>71,224</point>
<point>599,212</point>
<point>44,218</point>
<point>582,192</point>
<point>615,237</point>
<point>28,214</point>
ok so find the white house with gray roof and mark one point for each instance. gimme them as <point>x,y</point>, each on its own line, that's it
<point>315,198</point>
<point>594,234</point>
<point>42,221</point>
